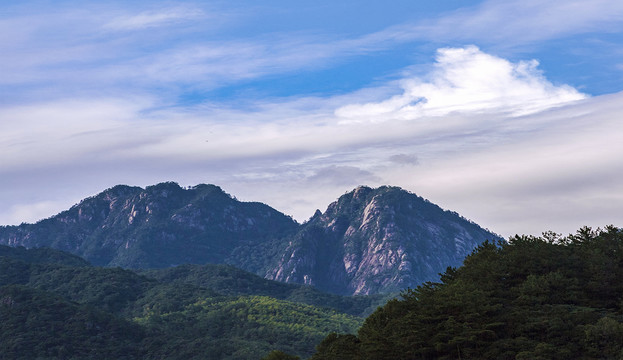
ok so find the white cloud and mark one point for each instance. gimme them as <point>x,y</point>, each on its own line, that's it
<point>148,19</point>
<point>559,176</point>
<point>469,81</point>
<point>472,149</point>
<point>35,211</point>
<point>343,176</point>
<point>69,54</point>
<point>509,23</point>
<point>60,132</point>
<point>404,159</point>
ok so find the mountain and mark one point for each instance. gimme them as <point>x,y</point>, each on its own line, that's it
<point>369,241</point>
<point>377,241</point>
<point>160,226</point>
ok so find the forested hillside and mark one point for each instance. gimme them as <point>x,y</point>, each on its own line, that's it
<point>56,306</point>
<point>548,297</point>
<point>531,298</point>
<point>40,325</point>
<point>228,280</point>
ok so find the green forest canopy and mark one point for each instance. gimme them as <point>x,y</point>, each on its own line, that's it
<point>55,307</point>
<point>548,297</point>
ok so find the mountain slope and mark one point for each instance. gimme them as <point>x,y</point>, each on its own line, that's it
<point>160,226</point>
<point>51,310</point>
<point>231,281</point>
<point>377,240</point>
<point>244,327</point>
<point>42,256</point>
<point>40,325</point>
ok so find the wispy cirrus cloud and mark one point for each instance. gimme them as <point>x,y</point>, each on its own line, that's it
<point>512,23</point>
<point>154,18</point>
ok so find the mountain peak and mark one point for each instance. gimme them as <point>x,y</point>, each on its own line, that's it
<point>377,240</point>
<point>159,226</point>
<point>164,189</point>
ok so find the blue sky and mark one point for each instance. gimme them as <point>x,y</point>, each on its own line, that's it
<point>507,112</point>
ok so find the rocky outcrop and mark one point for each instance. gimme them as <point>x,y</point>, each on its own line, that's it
<point>377,240</point>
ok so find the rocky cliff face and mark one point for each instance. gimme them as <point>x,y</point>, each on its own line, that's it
<point>377,240</point>
<point>160,226</point>
<point>369,241</point>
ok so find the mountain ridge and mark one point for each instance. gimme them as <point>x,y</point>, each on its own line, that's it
<point>137,228</point>
<point>368,241</point>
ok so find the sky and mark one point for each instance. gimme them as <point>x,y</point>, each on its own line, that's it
<point>508,112</point>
